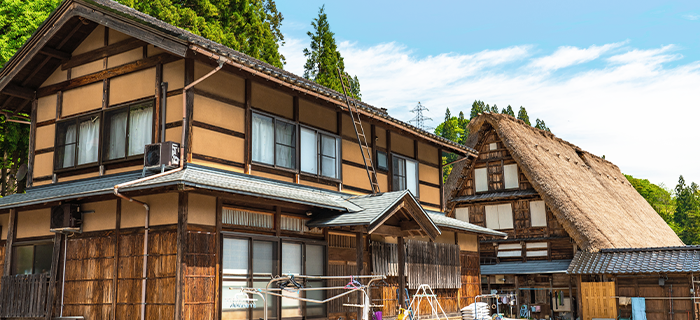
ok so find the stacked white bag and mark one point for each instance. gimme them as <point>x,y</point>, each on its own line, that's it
<point>476,311</point>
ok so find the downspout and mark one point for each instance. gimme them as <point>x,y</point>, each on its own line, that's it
<point>145,205</point>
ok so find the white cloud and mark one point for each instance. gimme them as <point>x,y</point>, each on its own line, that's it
<point>692,16</point>
<point>632,107</point>
<point>569,56</point>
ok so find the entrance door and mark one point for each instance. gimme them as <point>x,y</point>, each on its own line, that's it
<point>598,300</point>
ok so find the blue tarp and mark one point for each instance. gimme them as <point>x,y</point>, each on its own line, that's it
<point>639,309</point>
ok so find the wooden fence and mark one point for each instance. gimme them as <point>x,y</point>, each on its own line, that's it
<point>24,296</point>
<point>435,264</point>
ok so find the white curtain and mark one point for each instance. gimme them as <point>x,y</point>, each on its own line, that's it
<point>88,141</point>
<point>69,149</point>
<point>140,129</point>
<point>117,136</point>
<point>412,177</point>
<point>308,153</point>
<point>328,156</point>
<point>286,140</point>
<point>263,140</point>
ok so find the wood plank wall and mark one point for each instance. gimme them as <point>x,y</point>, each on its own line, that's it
<point>199,296</point>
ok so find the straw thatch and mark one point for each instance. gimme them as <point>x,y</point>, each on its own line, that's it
<point>589,196</point>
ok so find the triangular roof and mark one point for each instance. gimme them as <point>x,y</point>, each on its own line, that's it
<point>40,54</point>
<point>588,195</point>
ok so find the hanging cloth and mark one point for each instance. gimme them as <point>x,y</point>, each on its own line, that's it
<point>639,309</point>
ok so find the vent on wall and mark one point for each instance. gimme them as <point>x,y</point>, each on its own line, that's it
<point>247,218</point>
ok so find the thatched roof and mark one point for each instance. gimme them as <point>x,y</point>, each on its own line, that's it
<point>589,196</point>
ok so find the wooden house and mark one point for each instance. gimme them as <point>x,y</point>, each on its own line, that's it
<point>555,201</point>
<point>265,176</point>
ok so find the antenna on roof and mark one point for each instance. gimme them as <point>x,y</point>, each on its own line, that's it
<point>419,119</point>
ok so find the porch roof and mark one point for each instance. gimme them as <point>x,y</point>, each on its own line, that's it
<point>637,260</point>
<point>192,176</point>
<point>529,267</point>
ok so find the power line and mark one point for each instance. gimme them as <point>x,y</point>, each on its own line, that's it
<point>420,119</point>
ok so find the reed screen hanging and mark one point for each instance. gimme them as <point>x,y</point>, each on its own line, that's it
<point>434,264</point>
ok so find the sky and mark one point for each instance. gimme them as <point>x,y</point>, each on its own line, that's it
<point>616,78</point>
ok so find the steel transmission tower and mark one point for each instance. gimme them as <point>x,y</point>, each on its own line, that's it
<point>419,119</point>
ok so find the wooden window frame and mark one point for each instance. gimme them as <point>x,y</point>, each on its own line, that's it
<point>250,277</point>
<point>386,158</point>
<point>275,119</point>
<point>319,154</point>
<point>76,121</point>
<point>117,109</point>
<point>33,244</point>
<point>394,173</point>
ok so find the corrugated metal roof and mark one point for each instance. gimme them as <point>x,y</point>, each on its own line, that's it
<point>446,222</point>
<point>495,195</point>
<point>529,267</point>
<point>637,260</point>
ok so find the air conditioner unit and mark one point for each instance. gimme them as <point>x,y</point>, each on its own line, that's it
<point>162,155</point>
<point>66,218</point>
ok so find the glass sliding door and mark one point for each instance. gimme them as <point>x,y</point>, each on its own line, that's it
<point>291,265</point>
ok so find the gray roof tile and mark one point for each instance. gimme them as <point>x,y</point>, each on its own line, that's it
<point>637,260</point>
<point>529,267</point>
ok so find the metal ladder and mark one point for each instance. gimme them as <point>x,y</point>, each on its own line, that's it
<point>360,133</point>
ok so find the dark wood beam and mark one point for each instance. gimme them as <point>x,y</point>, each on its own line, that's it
<point>55,53</point>
<point>106,74</point>
<point>359,246</point>
<point>18,92</point>
<point>402,271</point>
<point>11,229</point>
<point>409,226</point>
<point>181,267</point>
<point>104,52</point>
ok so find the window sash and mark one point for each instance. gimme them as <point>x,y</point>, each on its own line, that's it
<point>319,153</point>
<point>78,142</point>
<point>405,174</point>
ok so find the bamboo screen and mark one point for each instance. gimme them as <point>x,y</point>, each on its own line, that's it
<point>434,264</point>
<point>247,218</point>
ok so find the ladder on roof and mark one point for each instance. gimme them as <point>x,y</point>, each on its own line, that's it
<point>359,132</point>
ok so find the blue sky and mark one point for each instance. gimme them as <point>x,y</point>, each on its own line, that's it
<point>617,78</point>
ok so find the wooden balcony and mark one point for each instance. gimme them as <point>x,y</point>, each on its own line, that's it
<point>24,296</point>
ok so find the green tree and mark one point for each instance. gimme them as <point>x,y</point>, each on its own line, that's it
<point>14,141</point>
<point>249,26</point>
<point>508,111</point>
<point>522,115</point>
<point>18,20</point>
<point>687,212</point>
<point>494,109</point>
<point>658,198</point>
<point>477,107</point>
<point>323,59</point>
<point>453,129</point>
<point>540,125</point>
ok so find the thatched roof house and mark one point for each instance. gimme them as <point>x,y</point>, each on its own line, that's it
<point>588,195</point>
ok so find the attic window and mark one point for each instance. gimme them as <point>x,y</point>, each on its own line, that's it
<point>510,173</point>
<point>499,217</point>
<point>481,182</point>
<point>462,214</point>
<point>538,215</point>
<point>493,146</point>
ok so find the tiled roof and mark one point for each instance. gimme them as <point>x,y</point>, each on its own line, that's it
<point>446,222</point>
<point>373,206</point>
<point>496,195</point>
<point>529,267</point>
<point>637,260</point>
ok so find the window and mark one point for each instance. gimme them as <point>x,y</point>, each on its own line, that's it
<point>252,261</point>
<point>127,131</point>
<point>510,173</point>
<point>319,153</point>
<point>77,141</point>
<point>462,214</point>
<point>493,146</point>
<point>538,215</point>
<point>382,164</point>
<point>32,259</point>
<point>481,182</point>
<point>274,142</point>
<point>405,175</point>
<point>499,217</point>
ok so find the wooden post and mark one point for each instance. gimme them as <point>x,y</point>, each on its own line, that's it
<point>32,144</point>
<point>117,234</point>
<point>579,297</point>
<point>189,78</point>
<point>443,207</point>
<point>11,229</point>
<point>55,258</point>
<point>389,162</point>
<point>359,246</point>
<point>247,153</point>
<point>571,300</point>
<point>402,271</point>
<point>181,245</point>
<point>219,270</point>
<point>278,221</point>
